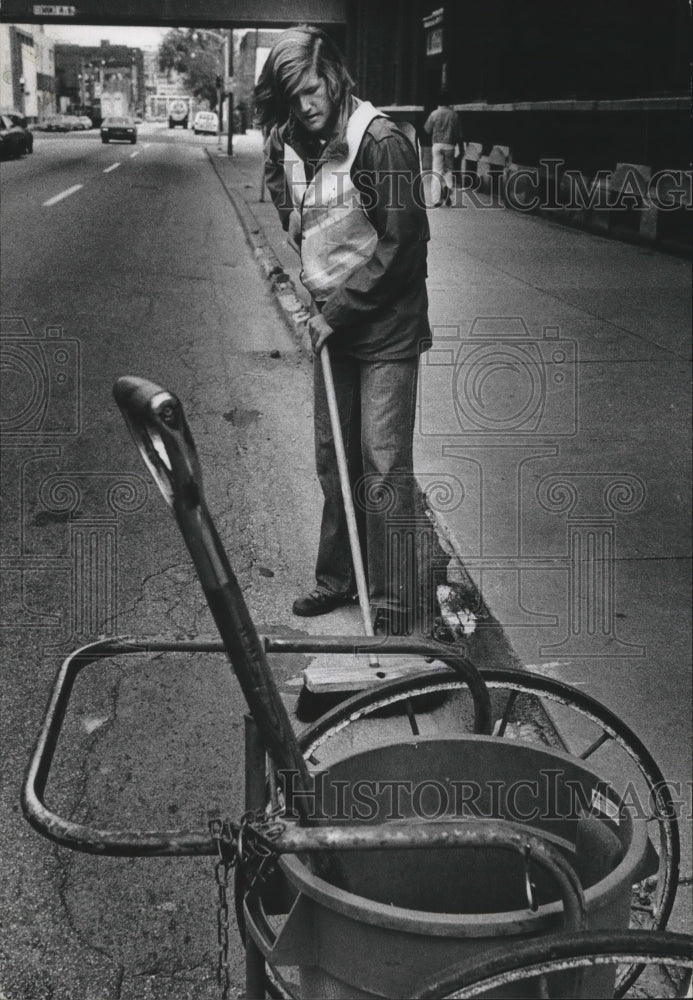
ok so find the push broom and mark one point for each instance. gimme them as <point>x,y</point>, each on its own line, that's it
<point>326,686</point>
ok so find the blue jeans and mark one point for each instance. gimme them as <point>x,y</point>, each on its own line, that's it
<point>377,406</point>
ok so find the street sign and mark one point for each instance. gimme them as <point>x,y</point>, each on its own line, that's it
<point>228,85</point>
<point>53,10</point>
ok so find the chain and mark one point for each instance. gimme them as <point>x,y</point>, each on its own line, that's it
<point>250,846</point>
<point>255,853</point>
<point>222,832</point>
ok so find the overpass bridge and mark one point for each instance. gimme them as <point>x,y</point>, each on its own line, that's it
<point>179,13</point>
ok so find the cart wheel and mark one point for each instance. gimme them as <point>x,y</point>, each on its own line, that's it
<point>558,952</point>
<point>523,703</point>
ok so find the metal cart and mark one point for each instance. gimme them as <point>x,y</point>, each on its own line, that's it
<point>432,902</point>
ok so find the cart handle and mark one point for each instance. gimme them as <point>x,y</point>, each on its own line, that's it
<point>133,843</point>
<point>158,425</point>
<point>77,836</point>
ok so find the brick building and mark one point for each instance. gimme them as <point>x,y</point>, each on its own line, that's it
<point>84,73</point>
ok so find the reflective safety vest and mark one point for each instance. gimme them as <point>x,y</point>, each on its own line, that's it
<point>337,236</point>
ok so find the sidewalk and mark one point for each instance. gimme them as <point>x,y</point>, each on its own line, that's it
<point>551,445</point>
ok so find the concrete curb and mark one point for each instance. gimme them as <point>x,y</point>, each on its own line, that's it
<point>292,309</point>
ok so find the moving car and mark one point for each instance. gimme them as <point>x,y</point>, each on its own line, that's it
<point>178,114</point>
<point>205,121</point>
<point>15,140</point>
<point>118,128</point>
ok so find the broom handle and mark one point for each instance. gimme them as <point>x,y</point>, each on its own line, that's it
<point>345,484</point>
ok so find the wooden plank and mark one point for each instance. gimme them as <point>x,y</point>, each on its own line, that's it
<point>358,675</point>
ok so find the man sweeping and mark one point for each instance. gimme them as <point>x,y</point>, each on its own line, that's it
<point>343,178</point>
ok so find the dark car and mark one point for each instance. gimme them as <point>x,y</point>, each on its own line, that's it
<point>23,123</point>
<point>118,128</point>
<point>15,139</point>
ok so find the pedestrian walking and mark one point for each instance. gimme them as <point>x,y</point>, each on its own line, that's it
<point>343,178</point>
<point>443,125</point>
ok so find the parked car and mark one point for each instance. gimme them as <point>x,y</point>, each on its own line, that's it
<point>205,121</point>
<point>15,140</point>
<point>118,128</point>
<point>56,123</point>
<point>83,123</point>
<point>23,123</point>
<point>51,123</point>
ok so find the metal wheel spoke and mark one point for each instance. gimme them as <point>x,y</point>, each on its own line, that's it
<point>540,689</point>
<point>604,738</point>
<point>507,712</point>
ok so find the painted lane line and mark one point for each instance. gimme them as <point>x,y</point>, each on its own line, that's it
<point>136,153</point>
<point>63,194</point>
<point>112,167</point>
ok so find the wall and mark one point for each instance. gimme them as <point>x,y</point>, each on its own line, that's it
<point>26,52</point>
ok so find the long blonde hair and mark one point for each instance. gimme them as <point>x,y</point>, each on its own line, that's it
<point>296,53</point>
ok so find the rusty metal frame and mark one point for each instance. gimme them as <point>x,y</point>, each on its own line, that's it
<point>539,686</point>
<point>559,953</point>
<point>149,843</point>
<point>525,682</point>
<point>161,843</point>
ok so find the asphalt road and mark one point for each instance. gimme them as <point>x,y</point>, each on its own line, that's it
<point>141,269</point>
<point>130,260</point>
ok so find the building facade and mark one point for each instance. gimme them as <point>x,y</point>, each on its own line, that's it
<point>162,88</point>
<point>84,74</point>
<point>27,79</point>
<point>249,58</point>
<point>616,81</point>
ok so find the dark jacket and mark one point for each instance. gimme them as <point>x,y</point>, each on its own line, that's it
<point>380,312</point>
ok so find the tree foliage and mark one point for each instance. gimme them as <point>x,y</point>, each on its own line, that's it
<point>198,57</point>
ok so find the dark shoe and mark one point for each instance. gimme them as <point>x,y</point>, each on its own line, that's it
<point>389,622</point>
<point>319,603</point>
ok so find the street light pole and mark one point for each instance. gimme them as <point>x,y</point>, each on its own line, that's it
<point>229,66</point>
<point>80,77</point>
<point>220,108</point>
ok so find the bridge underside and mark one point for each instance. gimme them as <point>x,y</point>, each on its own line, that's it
<point>179,13</point>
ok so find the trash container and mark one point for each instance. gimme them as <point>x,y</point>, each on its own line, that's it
<point>394,918</point>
